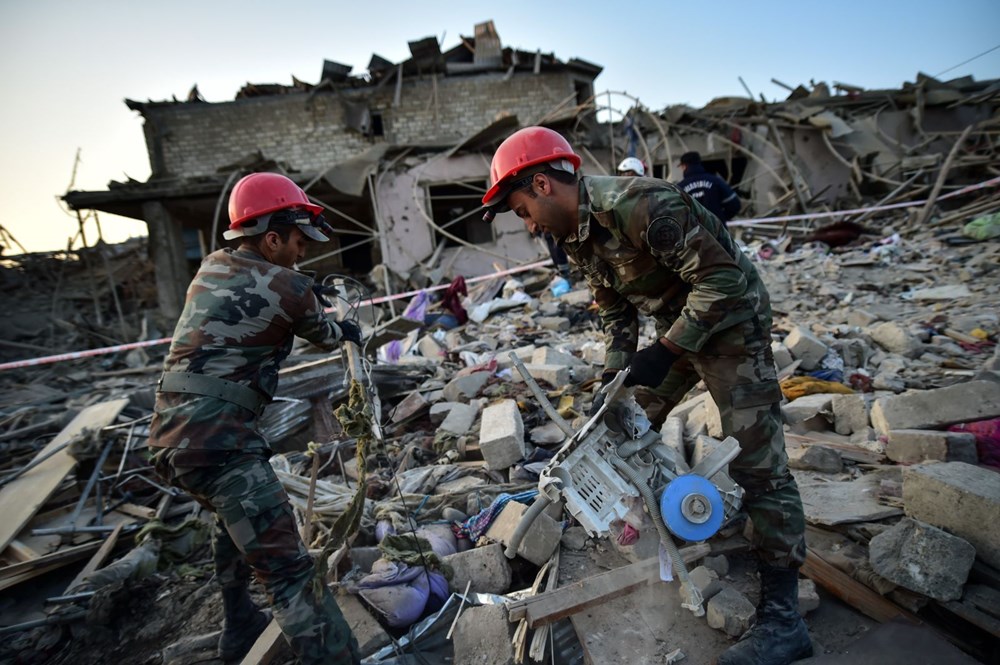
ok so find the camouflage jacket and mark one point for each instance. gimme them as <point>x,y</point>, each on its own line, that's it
<point>647,247</point>
<point>240,316</point>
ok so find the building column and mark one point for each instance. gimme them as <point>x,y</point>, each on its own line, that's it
<point>167,245</point>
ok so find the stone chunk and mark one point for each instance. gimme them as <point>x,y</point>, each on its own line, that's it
<point>912,446</point>
<point>806,347</point>
<point>464,388</point>
<point>807,407</point>
<point>720,564</point>
<point>484,636</point>
<point>730,611</point>
<point>556,376</point>
<point>523,353</point>
<point>460,419</point>
<point>808,596</point>
<point>413,404</point>
<point>818,458</point>
<point>850,414</point>
<point>574,538</point>
<point>538,544</point>
<point>922,558</point>
<point>960,498</point>
<point>486,567</point>
<point>861,318</point>
<point>894,338</point>
<point>501,435</point>
<point>782,356</point>
<point>441,410</point>
<point>706,581</point>
<point>579,297</point>
<point>548,356</point>
<point>366,628</point>
<point>557,323</point>
<point>938,408</point>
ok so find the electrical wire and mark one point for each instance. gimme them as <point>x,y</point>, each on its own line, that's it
<point>965,62</point>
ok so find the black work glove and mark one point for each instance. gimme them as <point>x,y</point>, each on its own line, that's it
<point>349,331</point>
<point>606,378</point>
<point>650,366</point>
<point>317,288</point>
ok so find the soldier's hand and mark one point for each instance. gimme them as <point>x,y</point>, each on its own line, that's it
<point>606,378</point>
<point>349,331</point>
<point>650,366</point>
<point>317,288</point>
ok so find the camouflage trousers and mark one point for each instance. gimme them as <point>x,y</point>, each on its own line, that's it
<point>255,530</point>
<point>737,366</point>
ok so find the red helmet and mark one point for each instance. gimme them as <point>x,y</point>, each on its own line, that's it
<point>523,149</point>
<point>260,194</point>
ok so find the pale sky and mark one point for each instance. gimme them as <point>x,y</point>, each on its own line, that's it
<point>66,66</point>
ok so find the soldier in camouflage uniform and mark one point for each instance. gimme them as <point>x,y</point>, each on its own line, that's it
<point>242,311</point>
<point>647,248</point>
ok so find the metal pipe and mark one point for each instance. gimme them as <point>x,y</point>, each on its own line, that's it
<point>543,401</point>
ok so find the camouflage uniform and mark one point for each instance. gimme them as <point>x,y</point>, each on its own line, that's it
<point>648,248</point>
<point>240,316</point>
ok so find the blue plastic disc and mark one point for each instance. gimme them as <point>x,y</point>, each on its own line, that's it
<point>692,508</point>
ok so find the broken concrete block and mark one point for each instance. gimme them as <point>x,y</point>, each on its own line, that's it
<point>894,338</point>
<point>574,538</point>
<point>922,558</point>
<point>557,323</point>
<point>850,413</point>
<point>960,498</point>
<point>579,297</point>
<point>460,419</point>
<point>730,611</point>
<point>581,373</point>
<point>538,544</point>
<point>806,347</point>
<point>937,408</point>
<point>912,446</point>
<point>706,581</point>
<point>861,318</point>
<point>464,388</point>
<point>817,458</point>
<point>593,353</point>
<point>501,435</point>
<point>548,356</point>
<point>556,376</point>
<point>369,633</point>
<point>809,409</point>
<point>413,404</point>
<point>702,417</point>
<point>441,410</point>
<point>430,348</point>
<point>808,596</point>
<point>782,356</point>
<point>484,636</point>
<point>523,353</point>
<point>486,567</point>
<point>720,564</point>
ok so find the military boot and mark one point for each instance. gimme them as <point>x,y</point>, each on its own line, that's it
<point>242,624</point>
<point>779,637</point>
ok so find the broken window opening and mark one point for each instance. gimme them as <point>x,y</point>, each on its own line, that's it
<point>455,208</point>
<point>376,126</point>
<point>584,91</point>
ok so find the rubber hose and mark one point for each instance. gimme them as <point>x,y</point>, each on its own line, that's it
<point>630,448</point>
<point>541,503</point>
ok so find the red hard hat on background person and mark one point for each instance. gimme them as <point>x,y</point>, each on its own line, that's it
<point>257,196</point>
<point>522,150</point>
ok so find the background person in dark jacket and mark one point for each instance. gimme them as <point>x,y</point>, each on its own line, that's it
<point>707,188</point>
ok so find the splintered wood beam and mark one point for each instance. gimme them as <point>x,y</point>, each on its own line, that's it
<point>551,606</point>
<point>20,499</point>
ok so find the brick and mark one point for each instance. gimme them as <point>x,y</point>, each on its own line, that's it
<point>922,558</point>
<point>960,498</point>
<point>937,408</point>
<point>850,414</point>
<point>538,543</point>
<point>806,347</point>
<point>912,446</point>
<point>464,388</point>
<point>549,356</point>
<point>501,435</point>
<point>484,636</point>
<point>894,338</point>
<point>556,376</point>
<point>460,419</point>
<point>730,612</point>
<point>485,567</point>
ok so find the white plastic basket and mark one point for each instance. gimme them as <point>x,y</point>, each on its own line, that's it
<point>594,493</point>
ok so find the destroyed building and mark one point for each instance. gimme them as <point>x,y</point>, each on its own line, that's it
<point>885,342</point>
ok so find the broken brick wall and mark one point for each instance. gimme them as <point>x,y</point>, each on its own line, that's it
<point>310,131</point>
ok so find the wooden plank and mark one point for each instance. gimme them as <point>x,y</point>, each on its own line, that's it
<point>99,557</point>
<point>142,512</point>
<point>852,592</point>
<point>19,552</point>
<point>553,605</point>
<point>22,498</point>
<point>980,606</point>
<point>266,647</point>
<point>21,572</point>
